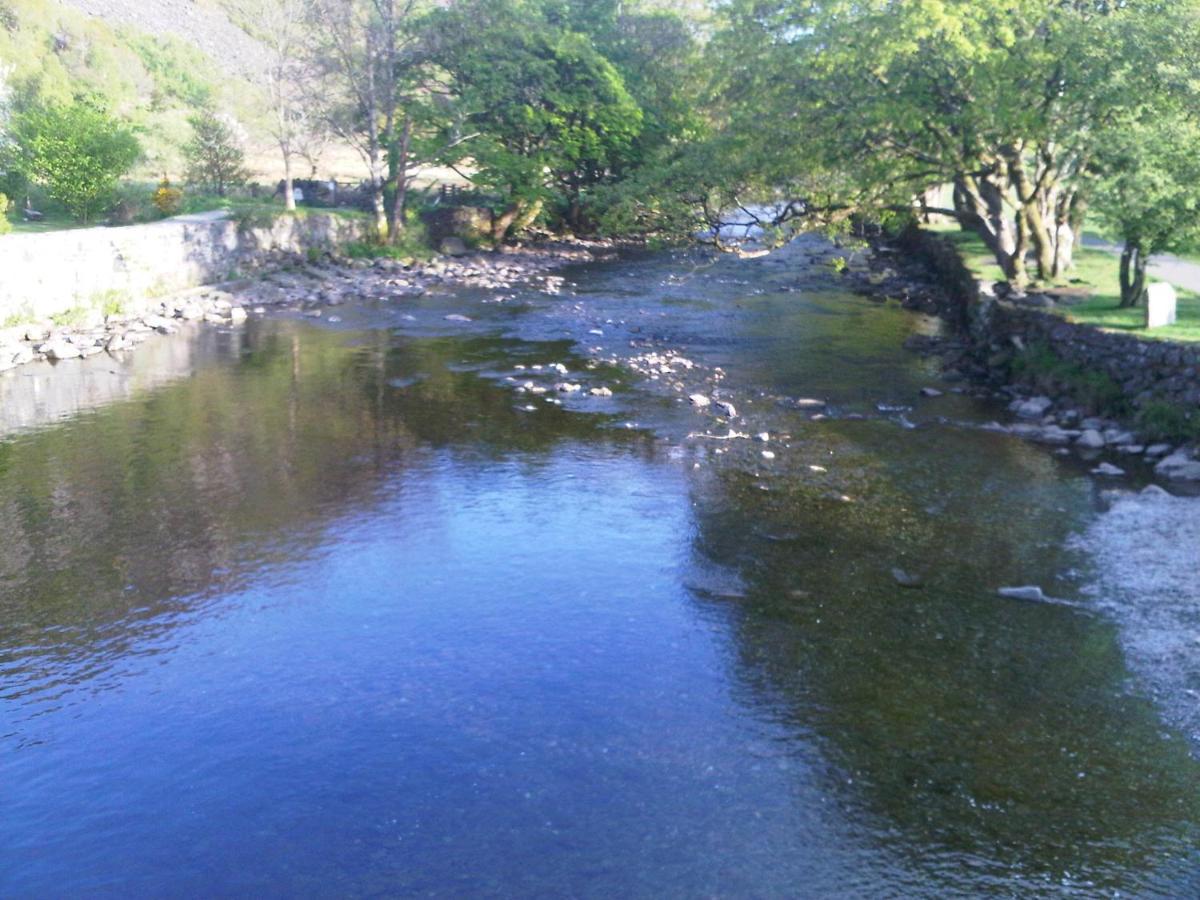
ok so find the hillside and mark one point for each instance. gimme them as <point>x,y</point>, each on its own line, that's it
<point>153,62</point>
<point>201,23</point>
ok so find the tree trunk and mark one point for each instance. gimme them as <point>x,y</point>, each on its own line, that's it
<point>1032,220</point>
<point>517,217</point>
<point>289,189</point>
<point>398,179</point>
<point>980,206</point>
<point>1133,274</point>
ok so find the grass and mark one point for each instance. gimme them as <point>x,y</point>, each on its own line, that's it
<point>1095,277</point>
<point>58,219</point>
<point>1096,391</point>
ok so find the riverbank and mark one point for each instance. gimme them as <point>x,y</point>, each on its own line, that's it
<point>1107,396</point>
<point>315,289</point>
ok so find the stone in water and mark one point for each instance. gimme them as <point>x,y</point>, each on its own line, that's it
<point>1161,305</point>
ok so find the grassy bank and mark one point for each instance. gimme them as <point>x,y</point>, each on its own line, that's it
<point>1094,289</point>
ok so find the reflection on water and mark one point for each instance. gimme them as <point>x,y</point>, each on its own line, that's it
<point>337,614</point>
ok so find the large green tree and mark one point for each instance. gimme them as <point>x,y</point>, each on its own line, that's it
<point>541,115</point>
<point>77,151</point>
<point>215,156</point>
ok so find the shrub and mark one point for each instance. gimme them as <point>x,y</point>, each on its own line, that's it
<point>77,151</point>
<point>1162,421</point>
<point>5,225</point>
<point>167,200</point>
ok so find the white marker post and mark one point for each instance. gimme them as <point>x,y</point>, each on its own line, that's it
<point>1161,304</point>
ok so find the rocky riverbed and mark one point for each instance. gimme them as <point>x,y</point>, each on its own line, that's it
<point>315,289</point>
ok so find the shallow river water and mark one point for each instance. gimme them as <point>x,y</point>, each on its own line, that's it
<point>341,611</point>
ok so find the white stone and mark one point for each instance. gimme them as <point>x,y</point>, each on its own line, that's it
<point>699,400</point>
<point>1028,592</point>
<point>1091,440</point>
<point>60,349</point>
<point>1161,305</point>
<point>1034,408</point>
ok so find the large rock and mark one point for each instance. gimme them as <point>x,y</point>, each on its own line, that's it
<point>60,348</point>
<point>1091,439</point>
<point>1179,466</point>
<point>1034,407</point>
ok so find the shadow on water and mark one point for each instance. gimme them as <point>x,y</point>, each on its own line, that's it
<point>342,614</point>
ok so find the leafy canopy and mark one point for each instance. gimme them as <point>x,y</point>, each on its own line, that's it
<point>545,115</point>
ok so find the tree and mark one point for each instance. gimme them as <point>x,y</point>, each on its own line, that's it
<point>1002,99</point>
<point>1148,193</point>
<point>215,158</point>
<point>77,151</point>
<point>542,116</point>
<point>279,25</point>
<point>367,51</point>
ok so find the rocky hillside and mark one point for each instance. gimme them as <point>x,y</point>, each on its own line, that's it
<point>203,23</point>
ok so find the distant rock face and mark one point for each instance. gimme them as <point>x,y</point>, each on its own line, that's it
<point>203,25</point>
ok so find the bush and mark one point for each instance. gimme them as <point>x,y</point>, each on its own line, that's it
<point>1162,421</point>
<point>77,151</point>
<point>167,200</point>
<point>5,225</point>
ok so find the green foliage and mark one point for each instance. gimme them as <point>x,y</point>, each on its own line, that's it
<point>550,117</point>
<point>1094,390</point>
<point>77,151</point>
<point>1148,191</point>
<point>175,68</point>
<point>255,219</point>
<point>412,245</point>
<point>1162,421</point>
<point>5,225</point>
<point>1000,98</point>
<point>215,158</point>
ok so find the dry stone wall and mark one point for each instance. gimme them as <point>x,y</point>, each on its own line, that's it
<point>1145,370</point>
<point>53,273</point>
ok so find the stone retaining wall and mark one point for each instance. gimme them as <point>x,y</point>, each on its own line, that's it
<point>1145,370</point>
<point>49,274</point>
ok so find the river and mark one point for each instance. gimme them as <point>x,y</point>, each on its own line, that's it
<point>354,609</point>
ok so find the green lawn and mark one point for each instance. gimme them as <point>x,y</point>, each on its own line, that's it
<point>1095,278</point>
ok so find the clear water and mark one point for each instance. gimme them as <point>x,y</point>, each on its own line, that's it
<point>333,614</point>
